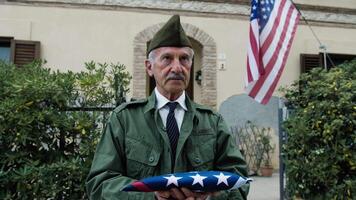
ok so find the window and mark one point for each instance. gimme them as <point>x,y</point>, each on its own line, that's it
<point>5,48</point>
<point>19,52</point>
<point>310,61</point>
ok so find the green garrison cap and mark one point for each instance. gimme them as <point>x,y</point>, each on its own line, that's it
<point>170,35</point>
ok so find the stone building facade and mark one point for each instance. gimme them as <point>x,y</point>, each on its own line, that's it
<point>118,31</point>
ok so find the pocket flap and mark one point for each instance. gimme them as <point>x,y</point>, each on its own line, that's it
<point>142,153</point>
<point>199,156</point>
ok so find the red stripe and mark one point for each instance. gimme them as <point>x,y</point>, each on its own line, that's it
<point>271,35</point>
<point>274,84</point>
<point>141,186</point>
<point>256,53</point>
<point>273,59</point>
<point>249,75</point>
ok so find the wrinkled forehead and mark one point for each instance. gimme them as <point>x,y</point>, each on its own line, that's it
<point>174,51</point>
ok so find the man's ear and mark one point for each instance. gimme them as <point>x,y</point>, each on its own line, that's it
<point>149,68</point>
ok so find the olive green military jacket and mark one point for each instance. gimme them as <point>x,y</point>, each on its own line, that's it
<point>135,145</point>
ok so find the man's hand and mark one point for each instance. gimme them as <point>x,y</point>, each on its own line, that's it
<point>182,194</point>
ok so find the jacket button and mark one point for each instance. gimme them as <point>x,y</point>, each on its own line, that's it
<point>197,160</point>
<point>151,159</point>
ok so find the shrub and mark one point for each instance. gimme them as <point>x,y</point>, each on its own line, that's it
<point>321,147</point>
<point>47,148</point>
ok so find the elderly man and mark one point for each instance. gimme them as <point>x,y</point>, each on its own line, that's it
<point>165,133</point>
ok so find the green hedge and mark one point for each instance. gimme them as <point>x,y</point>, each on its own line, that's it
<point>46,150</point>
<point>321,146</point>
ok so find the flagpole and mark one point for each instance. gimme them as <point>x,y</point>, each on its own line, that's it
<point>321,45</point>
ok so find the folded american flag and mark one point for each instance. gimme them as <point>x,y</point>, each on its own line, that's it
<point>200,181</point>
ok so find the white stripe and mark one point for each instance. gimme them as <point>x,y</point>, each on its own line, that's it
<point>253,65</point>
<point>271,77</point>
<point>277,36</point>
<point>251,56</point>
<point>240,182</point>
<point>266,30</point>
<point>249,86</point>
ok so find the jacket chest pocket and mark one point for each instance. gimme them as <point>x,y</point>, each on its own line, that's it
<point>142,159</point>
<point>200,150</point>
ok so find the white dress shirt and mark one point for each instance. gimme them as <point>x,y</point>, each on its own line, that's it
<point>164,110</point>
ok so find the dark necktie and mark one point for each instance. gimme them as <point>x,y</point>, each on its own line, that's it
<point>172,129</point>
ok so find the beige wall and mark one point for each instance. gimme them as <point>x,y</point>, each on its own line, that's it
<point>337,40</point>
<point>71,36</point>
<point>329,3</point>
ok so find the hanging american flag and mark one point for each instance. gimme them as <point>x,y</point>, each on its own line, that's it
<point>202,181</point>
<point>273,24</point>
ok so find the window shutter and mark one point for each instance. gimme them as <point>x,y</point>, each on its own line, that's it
<point>309,61</point>
<point>24,52</point>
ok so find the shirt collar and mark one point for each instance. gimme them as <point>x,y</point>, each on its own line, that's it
<point>162,100</point>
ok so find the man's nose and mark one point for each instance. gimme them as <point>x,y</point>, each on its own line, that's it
<point>177,66</point>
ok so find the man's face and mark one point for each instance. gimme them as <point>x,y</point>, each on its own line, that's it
<point>171,70</point>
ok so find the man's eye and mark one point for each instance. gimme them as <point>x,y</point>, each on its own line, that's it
<point>165,58</point>
<point>185,59</point>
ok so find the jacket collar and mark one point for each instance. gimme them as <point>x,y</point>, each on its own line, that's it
<point>151,102</point>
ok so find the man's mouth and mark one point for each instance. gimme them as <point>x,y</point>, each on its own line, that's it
<point>175,77</point>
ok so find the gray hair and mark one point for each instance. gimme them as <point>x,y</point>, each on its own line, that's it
<point>152,55</point>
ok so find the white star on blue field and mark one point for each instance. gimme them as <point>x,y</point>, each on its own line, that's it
<point>261,10</point>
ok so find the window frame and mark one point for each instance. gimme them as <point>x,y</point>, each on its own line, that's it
<point>22,52</point>
<point>6,39</point>
<point>310,61</point>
